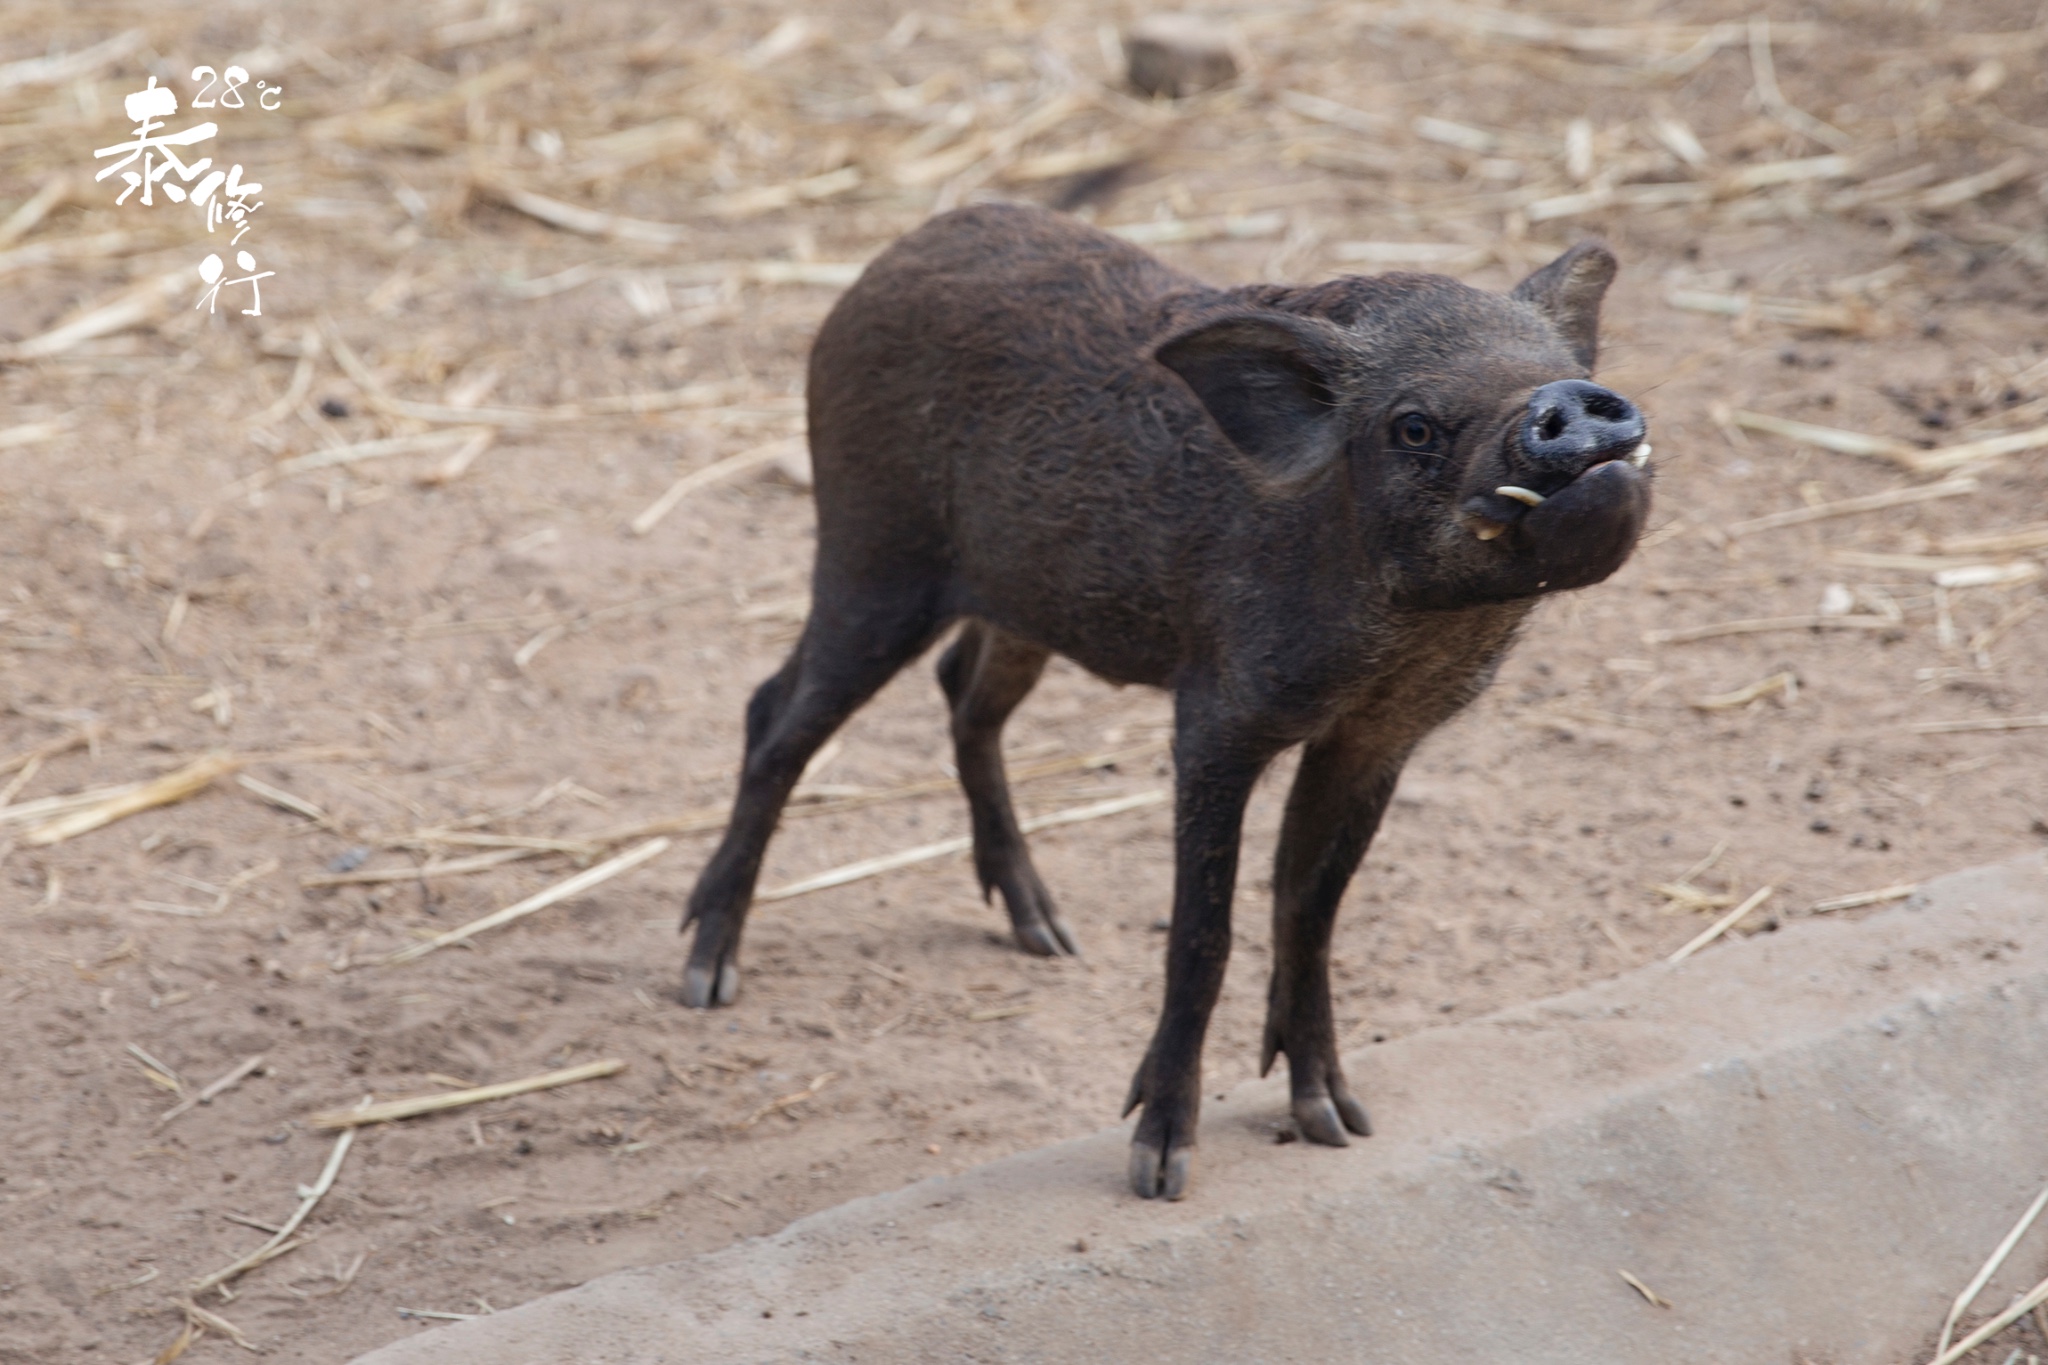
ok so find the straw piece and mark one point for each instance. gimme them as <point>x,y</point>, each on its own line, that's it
<point>818,1083</point>
<point>1955,193</point>
<point>533,843</point>
<point>119,803</point>
<point>2037,1295</point>
<point>989,1016</point>
<point>1338,115</point>
<point>1969,452</point>
<point>1765,73</point>
<point>1689,897</point>
<point>561,891</point>
<point>194,1313</point>
<point>1831,438</point>
<point>712,473</point>
<point>1435,255</point>
<point>282,799</point>
<point>1879,559</point>
<point>1863,898</point>
<point>130,308</point>
<point>457,464</point>
<point>55,191</point>
<point>1723,924</point>
<point>1872,502</point>
<point>1074,161</point>
<point>889,862</point>
<point>77,739</point>
<point>1764,626</point>
<point>187,1335</point>
<point>2018,539</point>
<point>1766,174</point>
<point>1987,575</point>
<point>704,394</point>
<point>356,452</point>
<point>30,433</point>
<point>1963,727</point>
<point>767,198</point>
<point>1650,196</point>
<point>393,125</point>
<point>248,1067</point>
<point>588,222</point>
<point>71,66</point>
<point>832,274</point>
<point>1162,232</point>
<point>1785,681</point>
<point>392,1110</point>
<point>454,867</point>
<point>278,1244</point>
<point>1648,1293</point>
<point>714,818</point>
<point>163,1073</point>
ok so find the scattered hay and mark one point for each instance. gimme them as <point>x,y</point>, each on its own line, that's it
<point>909,857</point>
<point>560,891</point>
<point>71,816</point>
<point>281,1242</point>
<point>1723,924</point>
<point>390,1111</point>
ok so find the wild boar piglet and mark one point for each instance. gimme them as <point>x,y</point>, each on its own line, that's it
<point>1316,514</point>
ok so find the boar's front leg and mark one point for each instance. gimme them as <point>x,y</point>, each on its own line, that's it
<point>1215,765</point>
<point>1340,791</point>
<point>986,672</point>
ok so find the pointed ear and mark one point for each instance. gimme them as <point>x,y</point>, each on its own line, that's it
<point>1271,381</point>
<point>1568,292</point>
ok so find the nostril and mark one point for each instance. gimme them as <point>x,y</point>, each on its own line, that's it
<point>1551,425</point>
<point>1610,407</point>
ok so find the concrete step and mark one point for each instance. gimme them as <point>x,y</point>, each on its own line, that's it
<point>1806,1141</point>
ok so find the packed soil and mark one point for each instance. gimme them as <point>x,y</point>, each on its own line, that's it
<point>569,253</point>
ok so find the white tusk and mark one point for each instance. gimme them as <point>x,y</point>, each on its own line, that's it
<point>1640,456</point>
<point>1508,490</point>
<point>1488,530</point>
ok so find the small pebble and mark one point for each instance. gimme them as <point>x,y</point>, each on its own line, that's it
<point>1177,55</point>
<point>350,861</point>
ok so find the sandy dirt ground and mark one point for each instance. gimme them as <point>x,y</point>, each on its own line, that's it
<point>565,254</point>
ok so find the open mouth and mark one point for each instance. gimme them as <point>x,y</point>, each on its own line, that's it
<point>1489,515</point>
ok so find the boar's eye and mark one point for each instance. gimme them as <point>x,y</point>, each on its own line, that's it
<point>1413,431</point>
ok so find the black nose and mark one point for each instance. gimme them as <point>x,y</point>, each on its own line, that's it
<point>1574,424</point>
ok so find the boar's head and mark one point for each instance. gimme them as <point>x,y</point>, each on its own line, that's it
<point>1475,458</point>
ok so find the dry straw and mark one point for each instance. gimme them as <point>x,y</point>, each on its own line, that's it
<point>1723,924</point>
<point>889,862</point>
<point>390,1111</point>
<point>89,810</point>
<point>561,891</point>
<point>281,1241</point>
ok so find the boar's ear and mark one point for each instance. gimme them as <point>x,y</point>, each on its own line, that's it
<point>1568,292</point>
<point>1270,380</point>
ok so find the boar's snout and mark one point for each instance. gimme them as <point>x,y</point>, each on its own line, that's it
<point>1574,424</point>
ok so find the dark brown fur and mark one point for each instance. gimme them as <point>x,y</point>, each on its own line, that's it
<point>1023,422</point>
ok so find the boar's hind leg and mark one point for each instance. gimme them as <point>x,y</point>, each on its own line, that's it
<point>851,645</point>
<point>1215,765</point>
<point>1340,792</point>
<point>986,672</point>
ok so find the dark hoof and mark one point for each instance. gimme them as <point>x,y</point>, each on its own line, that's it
<point>1048,937</point>
<point>1324,1119</point>
<point>704,988</point>
<point>1152,1178</point>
